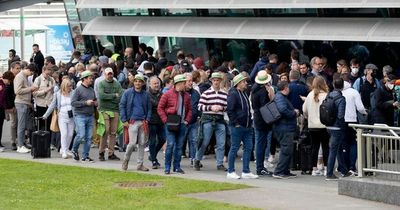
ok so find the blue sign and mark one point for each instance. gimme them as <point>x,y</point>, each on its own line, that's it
<point>60,44</point>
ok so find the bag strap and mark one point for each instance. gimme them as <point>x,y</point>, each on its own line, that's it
<point>183,103</point>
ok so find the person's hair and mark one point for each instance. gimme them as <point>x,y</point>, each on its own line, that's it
<point>196,76</point>
<point>283,68</point>
<point>13,52</point>
<point>148,66</point>
<point>143,46</point>
<point>52,68</point>
<point>294,75</point>
<point>50,59</point>
<point>13,64</point>
<point>319,85</point>
<point>338,83</point>
<point>64,86</point>
<point>304,63</point>
<point>149,50</point>
<point>56,75</point>
<point>164,74</point>
<point>8,75</point>
<point>342,62</point>
<point>190,55</point>
<point>294,54</point>
<point>181,56</point>
<point>162,53</point>
<point>284,75</point>
<point>156,78</point>
<point>76,54</point>
<point>345,77</point>
<point>387,69</point>
<point>35,45</point>
<point>282,85</point>
<point>31,67</point>
<point>273,57</point>
<point>120,65</point>
<point>107,52</point>
<point>313,60</point>
<point>264,53</point>
<point>354,61</point>
<point>79,66</point>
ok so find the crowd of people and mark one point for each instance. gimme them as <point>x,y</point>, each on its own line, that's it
<point>130,102</point>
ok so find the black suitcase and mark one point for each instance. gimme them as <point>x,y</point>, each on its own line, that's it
<point>40,142</point>
<point>305,158</point>
<point>295,163</point>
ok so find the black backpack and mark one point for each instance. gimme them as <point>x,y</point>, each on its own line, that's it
<point>328,110</point>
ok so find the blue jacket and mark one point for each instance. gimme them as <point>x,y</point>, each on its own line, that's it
<point>257,67</point>
<point>126,103</point>
<point>194,98</point>
<point>238,108</point>
<point>287,122</point>
<point>297,89</point>
<point>341,109</point>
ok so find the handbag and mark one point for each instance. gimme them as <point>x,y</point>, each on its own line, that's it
<point>270,112</point>
<point>54,122</point>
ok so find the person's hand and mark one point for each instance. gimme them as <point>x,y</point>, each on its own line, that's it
<point>185,122</point>
<point>126,124</point>
<point>117,95</point>
<point>34,88</point>
<point>303,98</point>
<point>297,112</point>
<point>89,102</point>
<point>396,104</point>
<point>214,108</point>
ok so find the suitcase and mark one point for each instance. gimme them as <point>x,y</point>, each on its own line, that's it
<point>305,158</point>
<point>295,163</point>
<point>41,142</point>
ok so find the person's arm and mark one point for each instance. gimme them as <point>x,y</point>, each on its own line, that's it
<point>40,91</point>
<point>232,99</point>
<point>105,96</point>
<point>188,109</point>
<point>202,105</point>
<point>283,107</point>
<point>76,101</point>
<point>305,105</point>
<point>52,106</point>
<point>341,111</point>
<point>148,116</point>
<point>122,107</point>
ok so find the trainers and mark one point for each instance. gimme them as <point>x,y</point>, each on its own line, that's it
<point>325,171</point>
<point>87,159</point>
<point>155,165</point>
<point>101,156</point>
<point>264,172</point>
<point>221,168</point>
<point>347,174</point>
<point>249,176</point>
<point>179,171</point>
<point>52,147</point>
<point>268,164</point>
<point>197,165</point>
<point>113,157</point>
<point>28,146</point>
<point>280,176</point>
<point>353,173</point>
<point>331,178</point>
<point>232,175</point>
<point>141,167</point>
<point>64,155</point>
<point>291,175</point>
<point>125,165</point>
<point>23,149</point>
<point>316,173</point>
<point>76,155</point>
<point>14,146</point>
<point>167,172</point>
<point>70,154</point>
<point>1,149</point>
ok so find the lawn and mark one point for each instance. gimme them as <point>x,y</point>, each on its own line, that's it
<point>29,185</point>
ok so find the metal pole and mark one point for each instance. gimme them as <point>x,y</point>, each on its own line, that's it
<point>22,32</point>
<point>360,153</point>
<point>13,31</point>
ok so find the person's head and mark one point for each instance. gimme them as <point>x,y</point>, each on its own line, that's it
<point>283,87</point>
<point>108,53</point>
<point>263,78</point>
<point>15,67</point>
<point>35,48</point>
<point>319,86</point>
<point>196,76</point>
<point>295,66</point>
<point>49,60</point>
<point>180,56</point>
<point>155,83</point>
<point>148,68</point>
<point>216,79</point>
<point>240,82</point>
<point>71,71</point>
<point>268,68</point>
<point>264,53</point>
<point>142,48</point>
<point>370,70</point>
<point>138,82</point>
<point>161,53</point>
<point>284,77</point>
<point>29,70</point>
<point>294,55</point>
<point>87,78</point>
<point>149,51</point>
<point>316,64</point>
<point>340,64</point>
<point>338,83</point>
<point>387,70</point>
<point>66,86</point>
<point>109,74</point>
<point>56,76</point>
<point>93,68</point>
<point>303,68</point>
<point>189,58</point>
<point>8,77</point>
<point>80,67</point>
<point>389,81</point>
<point>12,53</point>
<point>354,66</point>
<point>345,70</point>
<point>48,70</point>
<point>189,81</point>
<point>294,75</point>
<point>131,77</point>
<point>76,54</point>
<point>273,58</point>
<point>128,52</point>
<point>180,82</point>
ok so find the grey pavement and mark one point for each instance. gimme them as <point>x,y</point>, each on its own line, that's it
<point>303,192</point>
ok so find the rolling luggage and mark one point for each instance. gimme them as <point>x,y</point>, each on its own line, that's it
<point>41,142</point>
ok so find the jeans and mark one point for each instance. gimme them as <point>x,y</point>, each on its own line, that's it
<point>335,143</point>
<point>262,141</point>
<point>136,136</point>
<point>220,135</point>
<point>156,140</point>
<point>351,149</point>
<point>174,147</point>
<point>285,139</point>
<point>191,135</point>
<point>239,134</point>
<point>83,128</point>
<point>22,114</point>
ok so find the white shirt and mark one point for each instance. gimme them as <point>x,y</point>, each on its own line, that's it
<point>353,103</point>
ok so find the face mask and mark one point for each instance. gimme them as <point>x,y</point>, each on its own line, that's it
<point>354,70</point>
<point>390,86</point>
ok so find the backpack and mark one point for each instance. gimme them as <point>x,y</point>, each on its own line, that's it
<point>328,110</point>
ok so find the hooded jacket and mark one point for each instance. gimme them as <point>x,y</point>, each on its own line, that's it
<point>259,97</point>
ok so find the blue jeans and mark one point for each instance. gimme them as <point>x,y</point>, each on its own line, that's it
<point>239,134</point>
<point>285,139</point>
<point>191,135</point>
<point>156,140</point>
<point>220,135</point>
<point>174,146</point>
<point>84,131</point>
<point>22,115</point>
<point>335,143</point>
<point>263,139</point>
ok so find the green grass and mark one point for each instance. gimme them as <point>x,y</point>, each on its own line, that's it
<point>29,185</point>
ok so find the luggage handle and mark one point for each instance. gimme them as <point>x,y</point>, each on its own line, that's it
<point>37,119</point>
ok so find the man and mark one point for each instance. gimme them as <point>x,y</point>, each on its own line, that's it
<point>74,59</point>
<point>213,104</point>
<point>316,66</point>
<point>297,89</point>
<point>135,110</point>
<point>337,132</point>
<point>367,84</point>
<point>162,61</point>
<point>192,129</point>
<point>12,57</point>
<point>240,123</point>
<point>84,103</point>
<point>149,52</point>
<point>110,92</point>
<point>175,102</point>
<point>156,127</point>
<point>44,95</point>
<point>355,70</point>
<point>141,55</point>
<point>260,63</point>
<point>37,58</point>
<point>11,110</point>
<point>23,96</point>
<point>304,72</point>
<point>49,61</point>
<point>284,131</point>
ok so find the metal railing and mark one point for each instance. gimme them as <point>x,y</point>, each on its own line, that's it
<point>378,150</point>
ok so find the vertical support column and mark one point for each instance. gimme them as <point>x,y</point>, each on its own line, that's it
<point>360,153</point>
<point>22,32</point>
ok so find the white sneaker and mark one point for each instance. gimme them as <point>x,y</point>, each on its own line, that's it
<point>64,155</point>
<point>249,176</point>
<point>70,154</point>
<point>316,173</point>
<point>23,149</point>
<point>232,175</point>
<point>325,171</point>
<point>146,149</point>
<point>1,149</point>
<point>268,164</point>
<point>271,159</point>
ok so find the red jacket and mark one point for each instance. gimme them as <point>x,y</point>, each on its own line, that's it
<point>169,105</point>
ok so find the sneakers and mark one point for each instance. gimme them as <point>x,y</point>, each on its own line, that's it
<point>156,165</point>
<point>232,175</point>
<point>87,159</point>
<point>14,146</point>
<point>28,146</point>
<point>347,174</point>
<point>101,156</point>
<point>249,176</point>
<point>23,149</point>
<point>125,165</point>
<point>331,178</point>
<point>316,172</point>
<point>1,149</point>
<point>141,167</point>
<point>268,164</point>
<point>76,155</point>
<point>64,155</point>
<point>221,168</point>
<point>197,165</point>
<point>280,176</point>
<point>113,157</point>
<point>179,171</point>
<point>353,173</point>
<point>264,172</point>
<point>291,175</point>
<point>52,147</point>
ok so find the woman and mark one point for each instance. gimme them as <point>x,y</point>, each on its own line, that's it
<point>385,104</point>
<point>318,132</point>
<point>62,103</point>
<point>10,110</point>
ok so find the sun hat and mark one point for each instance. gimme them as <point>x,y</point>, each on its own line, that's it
<point>108,70</point>
<point>216,75</point>
<point>238,78</point>
<point>86,73</point>
<point>179,78</point>
<point>139,77</point>
<point>263,77</point>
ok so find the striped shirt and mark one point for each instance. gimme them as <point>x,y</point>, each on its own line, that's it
<point>211,97</point>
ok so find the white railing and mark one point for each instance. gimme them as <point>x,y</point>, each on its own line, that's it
<point>378,150</point>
